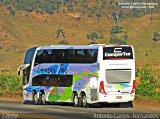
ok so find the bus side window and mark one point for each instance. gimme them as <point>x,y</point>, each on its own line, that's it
<point>51,56</point>
<point>44,57</point>
<point>38,57</point>
<point>41,57</point>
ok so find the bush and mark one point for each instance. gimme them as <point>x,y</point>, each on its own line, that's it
<point>29,8</point>
<point>10,85</point>
<point>100,35</point>
<point>156,36</point>
<point>33,5</point>
<point>99,14</point>
<point>149,82</point>
<point>116,29</point>
<point>60,31</point>
<point>94,35</point>
<point>115,40</point>
<point>12,12</point>
<point>7,2</point>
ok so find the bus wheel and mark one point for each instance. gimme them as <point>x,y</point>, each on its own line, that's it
<point>84,101</point>
<point>35,98</point>
<point>42,100</point>
<point>75,100</point>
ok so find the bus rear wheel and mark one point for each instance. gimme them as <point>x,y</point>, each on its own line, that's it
<point>75,100</point>
<point>84,101</point>
<point>35,98</point>
<point>42,100</point>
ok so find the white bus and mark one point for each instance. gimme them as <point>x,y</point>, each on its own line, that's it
<point>81,75</point>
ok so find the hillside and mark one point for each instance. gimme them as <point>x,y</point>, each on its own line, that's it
<point>28,29</point>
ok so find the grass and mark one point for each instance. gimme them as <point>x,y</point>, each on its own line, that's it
<point>147,87</point>
<point>10,85</point>
<point>140,97</point>
<point>148,84</point>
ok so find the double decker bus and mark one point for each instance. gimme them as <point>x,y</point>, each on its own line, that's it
<point>81,75</point>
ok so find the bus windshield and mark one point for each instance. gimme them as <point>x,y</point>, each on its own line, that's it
<point>29,55</point>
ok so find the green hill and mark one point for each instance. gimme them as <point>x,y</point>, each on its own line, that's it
<point>27,29</point>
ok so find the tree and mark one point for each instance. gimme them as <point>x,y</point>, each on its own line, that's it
<point>98,14</point>
<point>60,31</point>
<point>71,6</point>
<point>7,2</point>
<point>50,9</point>
<point>115,38</point>
<point>156,36</point>
<point>12,12</point>
<point>116,29</point>
<point>94,35</point>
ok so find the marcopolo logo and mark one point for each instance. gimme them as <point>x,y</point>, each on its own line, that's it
<point>118,53</point>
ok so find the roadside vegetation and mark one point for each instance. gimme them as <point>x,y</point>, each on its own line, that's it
<point>147,84</point>
<point>10,85</point>
<point>94,8</point>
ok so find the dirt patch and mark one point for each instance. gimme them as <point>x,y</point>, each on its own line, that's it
<point>17,98</point>
<point>147,104</point>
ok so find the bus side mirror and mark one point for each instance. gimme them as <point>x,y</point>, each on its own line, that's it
<point>19,73</point>
<point>22,67</point>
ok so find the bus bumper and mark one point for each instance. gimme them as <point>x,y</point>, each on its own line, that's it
<point>116,98</point>
<point>27,95</point>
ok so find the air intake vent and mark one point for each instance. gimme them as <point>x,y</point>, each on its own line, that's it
<point>94,96</point>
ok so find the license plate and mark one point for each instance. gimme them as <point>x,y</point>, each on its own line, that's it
<point>118,97</point>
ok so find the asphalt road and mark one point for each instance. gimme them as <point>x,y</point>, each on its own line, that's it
<point>16,109</point>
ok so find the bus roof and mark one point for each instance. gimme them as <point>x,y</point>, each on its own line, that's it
<point>118,45</point>
<point>68,47</point>
<point>91,46</point>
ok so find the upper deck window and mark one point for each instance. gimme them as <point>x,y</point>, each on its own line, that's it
<point>66,56</point>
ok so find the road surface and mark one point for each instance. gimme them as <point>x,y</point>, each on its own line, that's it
<point>16,109</point>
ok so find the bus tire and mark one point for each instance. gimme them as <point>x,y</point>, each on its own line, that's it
<point>84,101</point>
<point>35,99</point>
<point>80,101</point>
<point>75,100</point>
<point>42,100</point>
<point>48,103</point>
